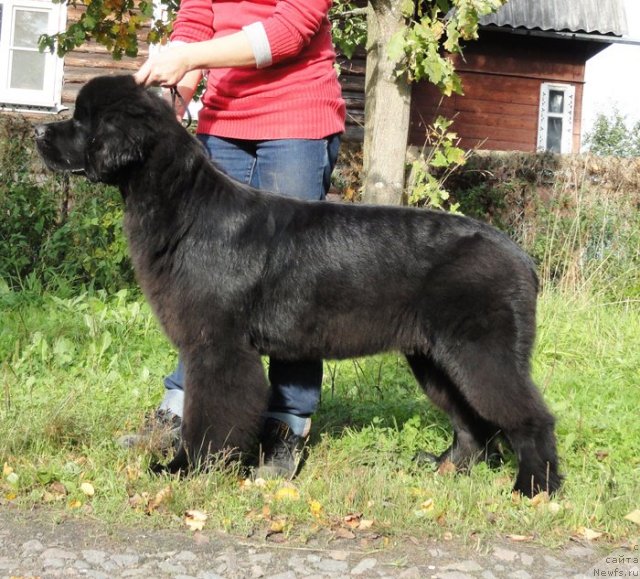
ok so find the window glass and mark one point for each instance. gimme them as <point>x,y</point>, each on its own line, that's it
<point>27,70</point>
<point>556,101</point>
<point>27,63</point>
<point>28,26</point>
<point>554,134</point>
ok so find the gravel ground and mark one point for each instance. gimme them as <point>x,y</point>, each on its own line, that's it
<point>36,545</point>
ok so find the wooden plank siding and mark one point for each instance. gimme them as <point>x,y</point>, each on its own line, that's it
<point>501,76</point>
<point>92,59</point>
<point>351,77</point>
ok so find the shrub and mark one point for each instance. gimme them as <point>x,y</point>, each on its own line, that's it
<point>55,228</point>
<point>611,136</point>
<point>576,215</point>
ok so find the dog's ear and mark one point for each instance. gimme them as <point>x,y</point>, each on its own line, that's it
<point>113,147</point>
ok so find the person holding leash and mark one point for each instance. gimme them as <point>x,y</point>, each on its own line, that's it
<point>272,117</point>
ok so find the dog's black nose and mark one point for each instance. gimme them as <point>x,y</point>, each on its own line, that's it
<point>39,131</point>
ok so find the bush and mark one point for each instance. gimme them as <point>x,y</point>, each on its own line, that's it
<point>55,229</point>
<point>577,216</point>
<point>611,136</point>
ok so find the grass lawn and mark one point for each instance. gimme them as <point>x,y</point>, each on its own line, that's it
<point>78,372</point>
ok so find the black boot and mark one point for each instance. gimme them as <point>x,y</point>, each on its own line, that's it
<point>161,432</point>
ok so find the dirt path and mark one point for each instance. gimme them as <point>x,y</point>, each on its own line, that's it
<point>36,545</point>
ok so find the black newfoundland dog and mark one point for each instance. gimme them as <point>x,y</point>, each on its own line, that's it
<point>233,274</point>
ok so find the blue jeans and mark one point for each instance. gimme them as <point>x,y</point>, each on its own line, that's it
<point>298,168</point>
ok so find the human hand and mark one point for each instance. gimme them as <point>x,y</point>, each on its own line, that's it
<point>166,68</point>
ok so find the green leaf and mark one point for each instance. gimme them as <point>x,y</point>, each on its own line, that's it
<point>408,8</point>
<point>396,46</point>
<point>89,22</point>
<point>439,160</point>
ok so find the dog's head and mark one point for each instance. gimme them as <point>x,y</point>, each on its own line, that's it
<point>114,124</point>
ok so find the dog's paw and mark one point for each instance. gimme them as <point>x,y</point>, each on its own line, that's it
<point>171,467</point>
<point>426,459</point>
<point>157,467</point>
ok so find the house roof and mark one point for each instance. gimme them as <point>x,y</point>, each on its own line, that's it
<point>599,17</point>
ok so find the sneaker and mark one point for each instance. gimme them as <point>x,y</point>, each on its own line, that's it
<point>281,452</point>
<point>161,432</point>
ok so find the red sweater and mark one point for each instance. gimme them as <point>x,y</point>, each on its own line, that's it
<point>296,96</point>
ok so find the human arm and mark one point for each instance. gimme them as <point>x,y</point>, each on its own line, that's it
<point>170,67</point>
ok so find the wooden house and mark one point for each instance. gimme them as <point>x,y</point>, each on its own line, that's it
<point>523,78</point>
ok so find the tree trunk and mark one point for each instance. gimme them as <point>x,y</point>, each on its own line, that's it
<point>387,106</point>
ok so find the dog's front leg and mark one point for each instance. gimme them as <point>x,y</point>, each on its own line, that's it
<point>225,396</point>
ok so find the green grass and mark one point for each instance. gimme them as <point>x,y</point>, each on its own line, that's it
<point>78,372</point>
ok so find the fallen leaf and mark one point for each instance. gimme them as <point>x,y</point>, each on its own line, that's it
<point>10,496</point>
<point>87,489</point>
<point>316,508</point>
<point>287,493</point>
<point>342,533</point>
<point>138,501</point>
<point>540,499</point>
<point>57,488</point>
<point>448,536</point>
<point>365,524</point>
<point>6,469</point>
<point>195,520</point>
<point>162,496</point>
<point>427,505</point>
<point>425,508</point>
<point>520,538</point>
<point>74,504</point>
<point>353,520</point>
<point>589,534</point>
<point>277,526</point>
<point>634,517</point>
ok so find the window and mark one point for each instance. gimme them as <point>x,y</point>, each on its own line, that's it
<point>28,77</point>
<point>555,128</point>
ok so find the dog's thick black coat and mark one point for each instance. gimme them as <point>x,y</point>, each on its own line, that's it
<point>233,273</point>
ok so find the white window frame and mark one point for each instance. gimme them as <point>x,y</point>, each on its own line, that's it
<point>569,90</point>
<point>50,97</point>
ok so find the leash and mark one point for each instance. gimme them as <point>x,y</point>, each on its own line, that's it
<point>176,96</point>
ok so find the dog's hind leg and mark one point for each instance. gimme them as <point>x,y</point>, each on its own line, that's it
<point>474,438</point>
<point>226,393</point>
<point>501,392</point>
